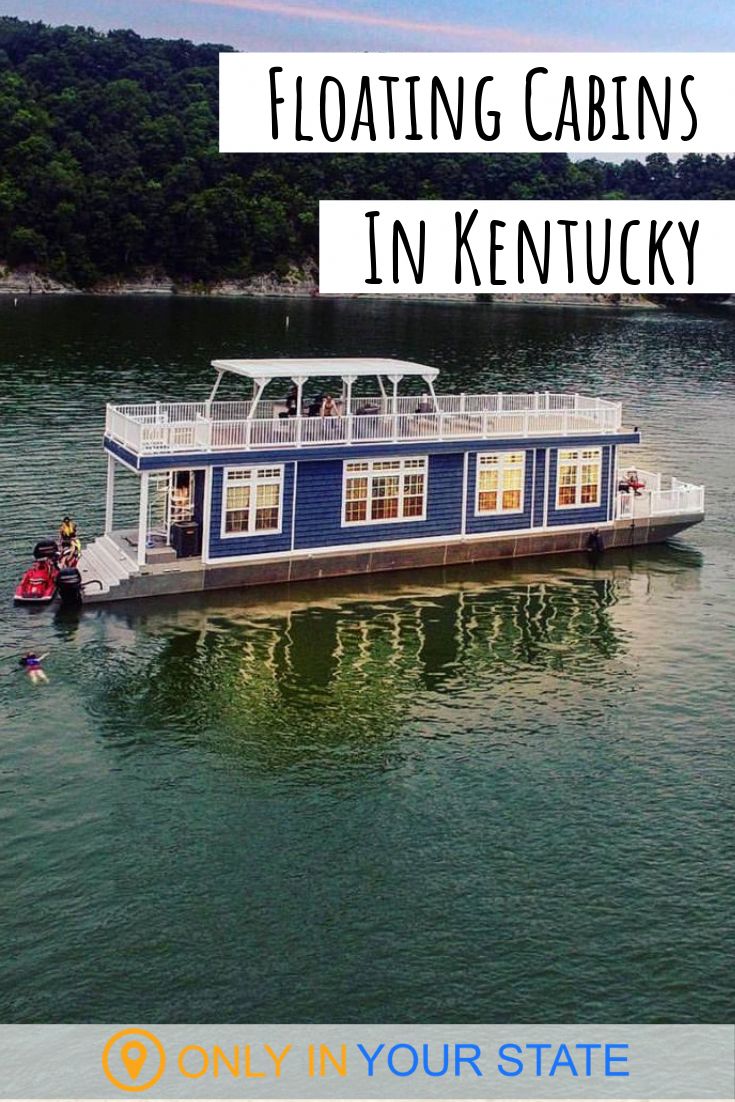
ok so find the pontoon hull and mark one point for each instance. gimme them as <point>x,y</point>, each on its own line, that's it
<point>160,581</point>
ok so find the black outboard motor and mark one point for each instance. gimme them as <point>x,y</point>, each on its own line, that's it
<point>69,587</point>
<point>45,549</point>
<point>595,544</point>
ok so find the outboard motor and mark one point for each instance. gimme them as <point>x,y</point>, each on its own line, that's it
<point>45,549</point>
<point>69,586</point>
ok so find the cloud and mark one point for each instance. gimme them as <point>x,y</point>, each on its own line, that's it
<point>498,38</point>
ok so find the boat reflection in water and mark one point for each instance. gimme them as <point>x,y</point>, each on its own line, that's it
<point>340,668</point>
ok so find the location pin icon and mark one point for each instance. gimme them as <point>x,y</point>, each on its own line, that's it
<point>133,1055</point>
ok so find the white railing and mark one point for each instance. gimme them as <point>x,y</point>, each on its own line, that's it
<point>680,498</point>
<point>163,427</point>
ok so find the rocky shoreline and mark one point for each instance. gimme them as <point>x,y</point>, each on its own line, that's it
<point>297,283</point>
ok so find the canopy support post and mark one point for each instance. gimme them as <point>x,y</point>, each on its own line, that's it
<point>143,518</point>
<point>347,381</point>
<point>430,383</point>
<point>215,388</point>
<point>259,386</point>
<point>299,381</point>
<point>110,495</point>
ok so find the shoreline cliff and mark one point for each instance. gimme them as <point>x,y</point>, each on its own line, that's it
<point>299,282</point>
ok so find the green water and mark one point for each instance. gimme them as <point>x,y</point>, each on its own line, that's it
<point>499,794</point>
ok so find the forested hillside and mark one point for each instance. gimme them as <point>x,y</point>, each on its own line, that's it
<point>109,167</point>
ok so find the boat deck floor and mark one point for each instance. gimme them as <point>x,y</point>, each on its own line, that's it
<point>127,542</point>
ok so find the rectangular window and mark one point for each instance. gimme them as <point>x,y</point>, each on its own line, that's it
<point>253,499</point>
<point>500,477</point>
<point>380,491</point>
<point>579,477</point>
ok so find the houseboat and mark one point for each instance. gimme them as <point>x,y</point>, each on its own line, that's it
<point>329,467</point>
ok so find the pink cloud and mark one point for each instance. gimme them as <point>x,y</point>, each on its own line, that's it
<point>498,38</point>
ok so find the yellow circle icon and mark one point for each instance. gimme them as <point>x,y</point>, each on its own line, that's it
<point>138,1045</point>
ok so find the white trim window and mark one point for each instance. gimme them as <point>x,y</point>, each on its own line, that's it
<point>500,478</point>
<point>383,491</point>
<point>252,501</point>
<point>578,478</point>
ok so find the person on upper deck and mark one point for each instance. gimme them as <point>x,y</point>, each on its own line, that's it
<point>329,406</point>
<point>292,400</point>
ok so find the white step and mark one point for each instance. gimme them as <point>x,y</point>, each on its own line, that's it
<point>97,566</point>
<point>126,557</point>
<point>92,569</point>
<point>103,561</point>
<point>92,561</point>
<point>120,563</point>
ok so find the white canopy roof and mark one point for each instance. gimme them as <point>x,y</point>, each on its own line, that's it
<point>261,371</point>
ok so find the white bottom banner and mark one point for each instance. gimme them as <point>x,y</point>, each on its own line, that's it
<point>371,1061</point>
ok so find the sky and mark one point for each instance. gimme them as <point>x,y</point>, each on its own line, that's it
<point>403,25</point>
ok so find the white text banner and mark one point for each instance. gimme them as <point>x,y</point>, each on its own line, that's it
<point>534,246</point>
<point>598,103</point>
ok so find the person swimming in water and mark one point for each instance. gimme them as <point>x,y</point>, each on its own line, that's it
<point>31,663</point>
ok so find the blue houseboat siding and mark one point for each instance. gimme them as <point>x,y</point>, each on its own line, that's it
<point>311,514</point>
<point>319,505</point>
<point>585,514</point>
<point>539,487</point>
<point>199,495</point>
<point>265,544</point>
<point>500,522</point>
<point>612,482</point>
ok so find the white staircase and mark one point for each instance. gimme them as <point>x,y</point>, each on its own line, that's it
<point>103,561</point>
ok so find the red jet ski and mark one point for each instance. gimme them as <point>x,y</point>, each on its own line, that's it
<point>38,584</point>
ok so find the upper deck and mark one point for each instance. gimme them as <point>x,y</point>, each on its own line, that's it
<point>167,428</point>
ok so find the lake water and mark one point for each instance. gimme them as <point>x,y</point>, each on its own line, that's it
<point>497,794</point>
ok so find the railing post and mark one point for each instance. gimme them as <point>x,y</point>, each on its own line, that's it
<point>142,519</point>
<point>349,427</point>
<point>500,402</point>
<point>299,430</point>
<point>565,422</point>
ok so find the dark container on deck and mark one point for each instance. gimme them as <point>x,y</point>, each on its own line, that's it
<point>186,538</point>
